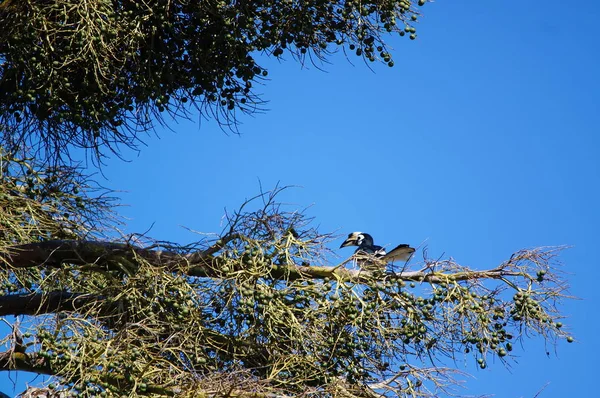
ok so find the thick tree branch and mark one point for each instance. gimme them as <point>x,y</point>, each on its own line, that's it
<point>10,360</point>
<point>54,253</point>
<point>44,303</point>
<point>32,362</point>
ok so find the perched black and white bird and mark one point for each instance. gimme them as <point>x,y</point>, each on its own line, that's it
<point>366,245</point>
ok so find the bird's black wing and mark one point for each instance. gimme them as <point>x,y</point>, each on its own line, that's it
<point>401,252</point>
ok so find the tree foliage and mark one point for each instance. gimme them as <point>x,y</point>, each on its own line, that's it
<point>260,310</point>
<point>97,73</point>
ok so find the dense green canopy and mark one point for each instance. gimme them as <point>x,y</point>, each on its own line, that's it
<point>97,73</point>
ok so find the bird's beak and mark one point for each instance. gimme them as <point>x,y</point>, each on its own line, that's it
<point>349,242</point>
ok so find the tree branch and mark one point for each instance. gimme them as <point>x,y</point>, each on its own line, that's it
<point>54,253</point>
<point>44,303</point>
<point>357,275</point>
<point>32,362</point>
<point>10,360</point>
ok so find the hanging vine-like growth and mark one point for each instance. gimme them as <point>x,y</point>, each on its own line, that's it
<point>258,311</point>
<point>94,73</point>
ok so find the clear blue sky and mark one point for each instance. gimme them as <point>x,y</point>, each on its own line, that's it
<point>482,140</point>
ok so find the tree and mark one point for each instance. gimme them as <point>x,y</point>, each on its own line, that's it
<point>97,73</point>
<point>263,309</point>
<point>258,310</point>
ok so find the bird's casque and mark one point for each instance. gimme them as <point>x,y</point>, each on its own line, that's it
<point>366,245</point>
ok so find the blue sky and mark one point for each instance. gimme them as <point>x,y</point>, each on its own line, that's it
<point>479,142</point>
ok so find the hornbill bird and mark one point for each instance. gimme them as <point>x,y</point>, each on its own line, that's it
<point>366,245</point>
